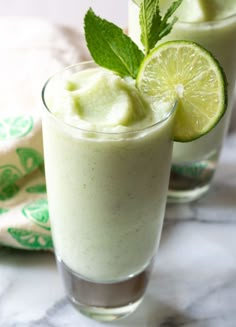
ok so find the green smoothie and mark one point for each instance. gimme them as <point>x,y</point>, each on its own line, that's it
<point>107,156</point>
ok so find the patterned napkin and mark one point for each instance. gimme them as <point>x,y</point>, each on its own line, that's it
<point>27,59</point>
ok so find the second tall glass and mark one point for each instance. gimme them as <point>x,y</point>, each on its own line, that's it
<point>194,163</point>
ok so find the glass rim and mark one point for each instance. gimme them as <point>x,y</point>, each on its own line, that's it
<point>46,108</point>
<point>208,23</point>
<point>202,24</point>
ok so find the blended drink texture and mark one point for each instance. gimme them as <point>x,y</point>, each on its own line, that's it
<point>211,23</point>
<point>107,168</point>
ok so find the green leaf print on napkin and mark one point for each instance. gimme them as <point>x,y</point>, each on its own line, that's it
<point>3,210</point>
<point>40,188</point>
<point>9,175</point>
<point>37,211</point>
<point>30,239</point>
<point>30,159</point>
<point>15,127</point>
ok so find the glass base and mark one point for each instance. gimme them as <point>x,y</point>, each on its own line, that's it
<point>187,196</point>
<point>190,181</point>
<point>104,301</point>
<point>107,314</point>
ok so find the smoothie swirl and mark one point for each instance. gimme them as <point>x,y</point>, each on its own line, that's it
<point>100,101</point>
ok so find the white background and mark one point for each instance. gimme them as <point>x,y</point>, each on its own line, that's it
<point>67,11</point>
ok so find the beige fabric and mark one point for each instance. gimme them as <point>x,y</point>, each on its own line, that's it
<point>31,50</point>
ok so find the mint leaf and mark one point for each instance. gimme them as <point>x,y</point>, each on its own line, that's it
<point>110,47</point>
<point>150,20</point>
<point>165,27</point>
<point>153,26</point>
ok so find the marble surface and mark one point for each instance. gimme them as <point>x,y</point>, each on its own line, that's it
<point>193,283</point>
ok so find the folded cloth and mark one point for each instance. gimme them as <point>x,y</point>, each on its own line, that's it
<point>31,49</point>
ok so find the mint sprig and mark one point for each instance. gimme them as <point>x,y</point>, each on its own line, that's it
<point>165,27</point>
<point>153,26</point>
<point>110,47</point>
<point>150,20</point>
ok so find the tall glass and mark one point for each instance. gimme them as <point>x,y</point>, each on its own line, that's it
<point>194,163</point>
<point>106,202</point>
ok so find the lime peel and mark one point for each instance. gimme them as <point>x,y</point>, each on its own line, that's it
<point>186,72</point>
